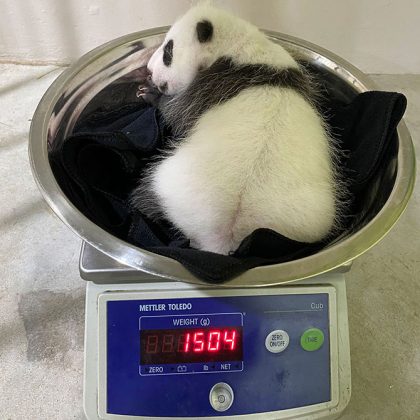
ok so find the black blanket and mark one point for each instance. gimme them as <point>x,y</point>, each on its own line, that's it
<point>100,164</point>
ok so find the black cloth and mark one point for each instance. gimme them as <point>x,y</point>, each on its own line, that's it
<point>100,164</point>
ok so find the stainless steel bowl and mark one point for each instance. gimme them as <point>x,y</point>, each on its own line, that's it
<point>76,89</point>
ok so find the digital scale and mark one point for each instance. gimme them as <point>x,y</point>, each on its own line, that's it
<point>167,346</point>
<point>164,349</point>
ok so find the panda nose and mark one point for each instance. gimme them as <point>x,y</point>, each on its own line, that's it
<point>163,87</point>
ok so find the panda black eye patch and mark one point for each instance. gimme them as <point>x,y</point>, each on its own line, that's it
<point>204,31</point>
<point>167,53</point>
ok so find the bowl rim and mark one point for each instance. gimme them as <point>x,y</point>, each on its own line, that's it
<point>130,255</point>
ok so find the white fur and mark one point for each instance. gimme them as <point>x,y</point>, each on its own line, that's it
<point>259,160</point>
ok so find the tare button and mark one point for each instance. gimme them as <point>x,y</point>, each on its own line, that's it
<point>312,339</point>
<point>277,341</point>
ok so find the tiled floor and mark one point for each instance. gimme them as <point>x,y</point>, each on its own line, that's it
<point>42,296</point>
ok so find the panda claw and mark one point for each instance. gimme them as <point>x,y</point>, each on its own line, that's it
<point>148,95</point>
<point>143,91</point>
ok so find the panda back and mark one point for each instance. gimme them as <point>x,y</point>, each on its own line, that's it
<point>251,163</point>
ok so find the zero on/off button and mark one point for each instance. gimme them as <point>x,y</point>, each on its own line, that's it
<point>221,396</point>
<point>277,341</point>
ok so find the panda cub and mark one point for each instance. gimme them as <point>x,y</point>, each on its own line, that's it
<point>254,152</point>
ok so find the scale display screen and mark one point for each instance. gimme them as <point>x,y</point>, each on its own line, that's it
<point>192,345</point>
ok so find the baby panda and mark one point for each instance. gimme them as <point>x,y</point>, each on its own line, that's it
<point>254,152</point>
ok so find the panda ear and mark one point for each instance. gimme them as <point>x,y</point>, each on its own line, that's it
<point>204,31</point>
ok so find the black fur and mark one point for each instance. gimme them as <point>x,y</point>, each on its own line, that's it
<point>204,31</point>
<point>224,80</point>
<point>168,53</point>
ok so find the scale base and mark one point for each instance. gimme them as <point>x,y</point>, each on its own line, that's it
<point>93,371</point>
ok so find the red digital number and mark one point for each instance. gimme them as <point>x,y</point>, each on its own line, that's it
<point>198,342</point>
<point>187,343</point>
<point>229,340</point>
<point>184,343</point>
<point>214,341</point>
<point>152,344</point>
<point>168,343</point>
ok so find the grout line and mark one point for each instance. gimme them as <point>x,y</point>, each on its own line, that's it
<point>33,63</point>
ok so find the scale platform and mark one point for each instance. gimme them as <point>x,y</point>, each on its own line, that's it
<point>163,349</point>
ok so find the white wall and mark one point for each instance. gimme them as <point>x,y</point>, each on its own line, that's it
<point>379,36</point>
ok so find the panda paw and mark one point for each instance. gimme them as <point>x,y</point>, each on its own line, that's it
<point>149,93</point>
